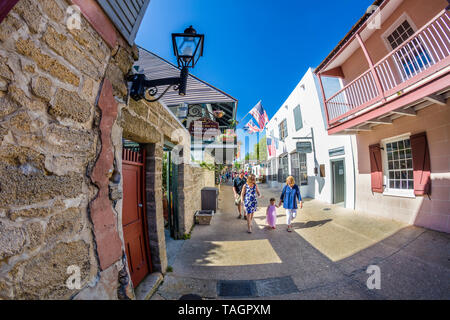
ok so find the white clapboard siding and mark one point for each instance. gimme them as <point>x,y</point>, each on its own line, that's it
<point>126,15</point>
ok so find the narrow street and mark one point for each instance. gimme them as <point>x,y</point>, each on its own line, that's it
<point>325,258</point>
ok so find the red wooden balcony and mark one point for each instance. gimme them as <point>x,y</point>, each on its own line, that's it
<point>415,63</point>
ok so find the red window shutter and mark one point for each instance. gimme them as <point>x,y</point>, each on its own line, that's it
<point>421,164</point>
<point>5,8</point>
<point>376,168</point>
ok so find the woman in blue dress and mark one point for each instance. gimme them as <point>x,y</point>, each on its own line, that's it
<point>289,197</point>
<point>248,197</point>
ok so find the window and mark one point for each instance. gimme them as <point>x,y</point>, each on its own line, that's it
<point>399,169</point>
<point>283,168</point>
<point>412,57</point>
<point>274,170</point>
<point>400,34</point>
<point>298,165</point>
<point>283,129</point>
<point>298,118</point>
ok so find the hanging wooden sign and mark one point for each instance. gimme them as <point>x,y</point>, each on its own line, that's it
<point>205,128</point>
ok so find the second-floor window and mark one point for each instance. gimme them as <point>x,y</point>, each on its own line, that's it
<point>298,118</point>
<point>400,34</point>
<point>283,129</point>
<point>412,57</point>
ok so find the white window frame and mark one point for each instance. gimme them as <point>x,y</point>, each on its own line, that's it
<point>409,193</point>
<point>394,26</point>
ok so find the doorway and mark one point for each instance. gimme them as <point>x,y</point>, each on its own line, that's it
<point>134,221</point>
<point>170,193</point>
<point>338,181</point>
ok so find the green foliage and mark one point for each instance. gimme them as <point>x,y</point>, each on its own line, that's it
<point>186,236</point>
<point>258,148</point>
<point>209,166</point>
<point>169,269</point>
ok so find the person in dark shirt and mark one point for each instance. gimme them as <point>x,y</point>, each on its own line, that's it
<point>238,183</point>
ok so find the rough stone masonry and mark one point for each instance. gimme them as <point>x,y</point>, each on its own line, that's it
<point>50,140</point>
<point>63,113</point>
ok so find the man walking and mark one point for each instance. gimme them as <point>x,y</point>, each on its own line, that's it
<point>238,183</point>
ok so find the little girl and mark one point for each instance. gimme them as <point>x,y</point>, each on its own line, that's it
<point>271,213</point>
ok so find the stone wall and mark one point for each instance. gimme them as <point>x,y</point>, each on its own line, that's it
<point>50,140</point>
<point>64,111</point>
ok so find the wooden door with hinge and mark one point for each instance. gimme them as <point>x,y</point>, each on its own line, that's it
<point>134,220</point>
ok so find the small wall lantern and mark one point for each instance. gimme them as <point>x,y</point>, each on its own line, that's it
<point>188,48</point>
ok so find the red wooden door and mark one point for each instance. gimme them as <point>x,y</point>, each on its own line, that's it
<point>133,215</point>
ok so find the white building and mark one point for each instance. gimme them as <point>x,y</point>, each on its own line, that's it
<point>326,172</point>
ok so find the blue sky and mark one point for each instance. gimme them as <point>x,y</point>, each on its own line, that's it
<point>253,49</point>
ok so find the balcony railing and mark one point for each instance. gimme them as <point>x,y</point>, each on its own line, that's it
<point>424,53</point>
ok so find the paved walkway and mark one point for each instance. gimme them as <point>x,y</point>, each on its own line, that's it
<point>325,258</point>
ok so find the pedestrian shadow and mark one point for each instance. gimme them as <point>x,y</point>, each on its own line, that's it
<point>310,224</point>
<point>264,217</point>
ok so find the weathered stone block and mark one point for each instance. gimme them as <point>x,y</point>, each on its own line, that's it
<point>35,234</point>
<point>68,104</point>
<point>3,133</point>
<point>63,224</point>
<point>139,108</point>
<point>5,70</point>
<point>8,26</point>
<point>46,274</point>
<point>91,41</point>
<point>71,141</point>
<point>12,240</point>
<point>42,87</point>
<point>21,122</point>
<point>90,89</point>
<point>17,156</point>
<point>114,192</point>
<point>51,8</point>
<point>28,68</point>
<point>24,184</point>
<point>47,63</point>
<point>105,288</point>
<point>62,165</point>
<point>138,130</point>
<point>66,47</point>
<point>123,60</point>
<point>29,11</point>
<point>117,78</point>
<point>35,212</point>
<point>3,85</point>
<point>7,106</point>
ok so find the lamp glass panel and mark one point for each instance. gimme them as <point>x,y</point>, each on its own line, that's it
<point>186,46</point>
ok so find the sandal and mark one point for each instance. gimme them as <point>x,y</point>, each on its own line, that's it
<point>245,217</point>
<point>239,216</point>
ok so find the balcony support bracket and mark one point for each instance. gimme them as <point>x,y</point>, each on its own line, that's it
<point>436,99</point>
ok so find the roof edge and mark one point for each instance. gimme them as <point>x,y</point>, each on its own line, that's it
<point>190,74</point>
<point>348,36</point>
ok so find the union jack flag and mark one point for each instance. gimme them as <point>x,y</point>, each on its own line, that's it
<point>251,127</point>
<point>260,115</point>
<point>271,146</point>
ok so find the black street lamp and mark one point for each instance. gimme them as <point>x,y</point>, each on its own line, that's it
<point>188,48</point>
